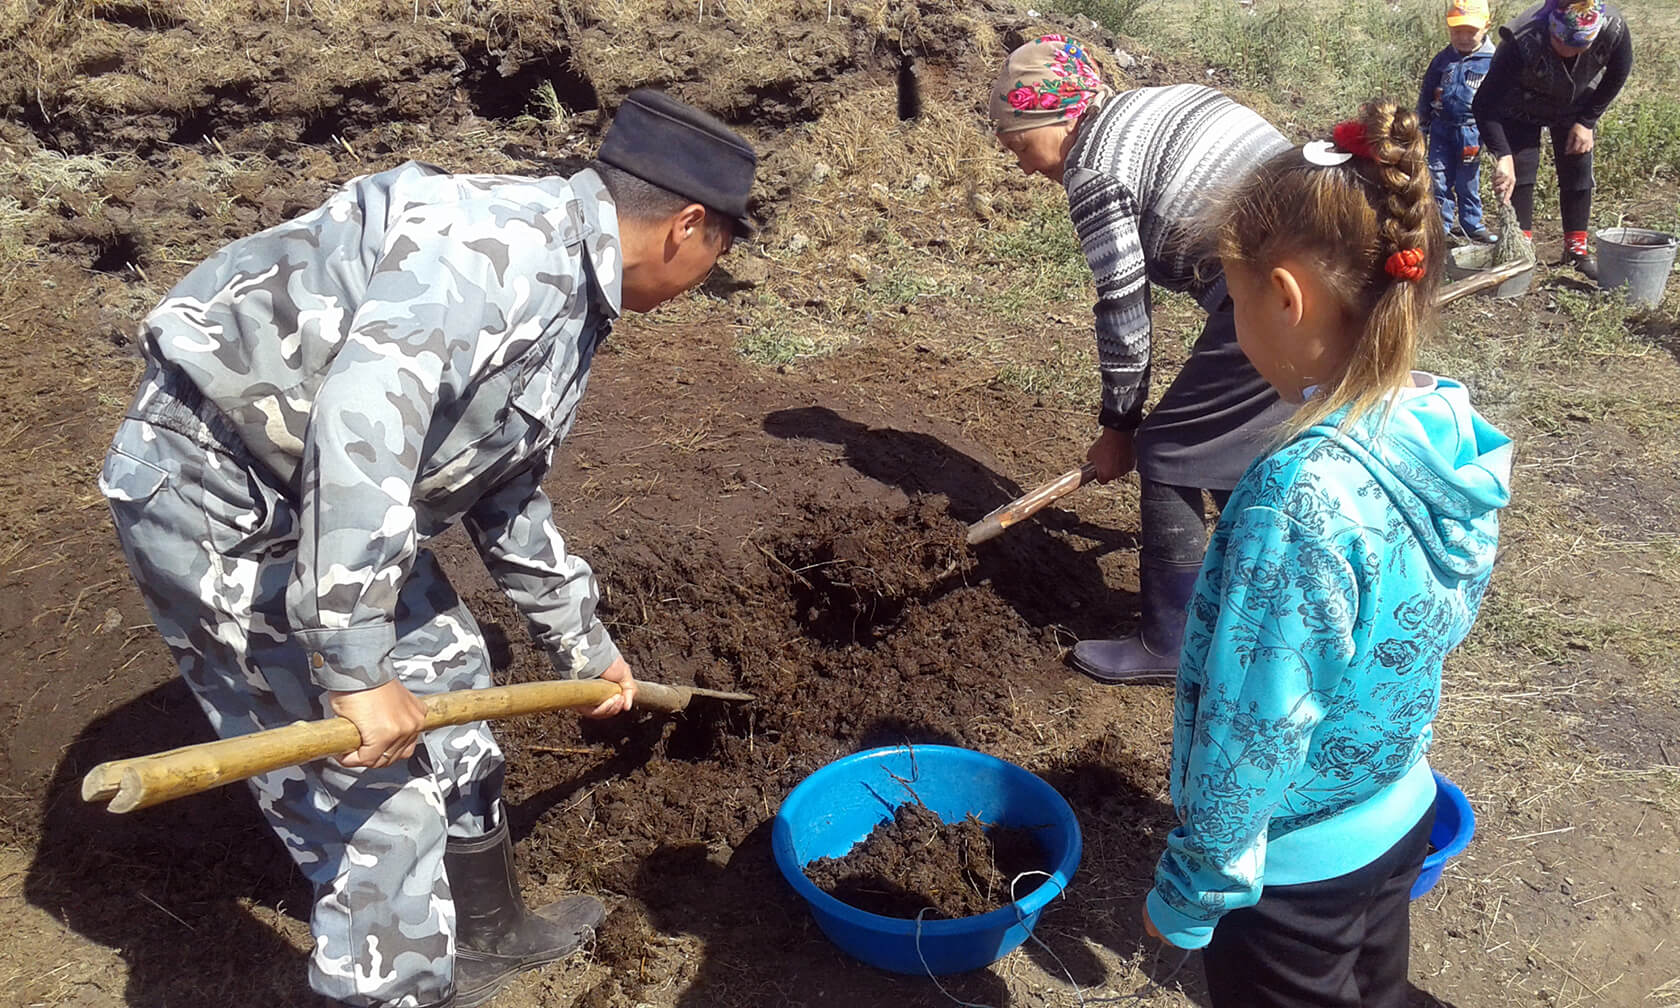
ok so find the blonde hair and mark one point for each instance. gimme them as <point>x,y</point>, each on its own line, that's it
<point>1345,221</point>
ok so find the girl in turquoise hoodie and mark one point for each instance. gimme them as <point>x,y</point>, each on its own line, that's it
<point>1350,559</point>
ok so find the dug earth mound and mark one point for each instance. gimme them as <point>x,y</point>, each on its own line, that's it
<point>816,561</point>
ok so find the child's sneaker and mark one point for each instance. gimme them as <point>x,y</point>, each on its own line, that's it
<point>1482,236</point>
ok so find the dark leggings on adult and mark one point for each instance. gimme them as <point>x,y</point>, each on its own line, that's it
<point>1174,521</point>
<point>1574,172</point>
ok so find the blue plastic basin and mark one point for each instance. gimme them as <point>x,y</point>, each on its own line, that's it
<point>838,805</point>
<point>1454,825</point>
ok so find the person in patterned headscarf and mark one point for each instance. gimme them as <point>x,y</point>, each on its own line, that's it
<point>1558,67</point>
<point>319,400</point>
<point>1140,169</point>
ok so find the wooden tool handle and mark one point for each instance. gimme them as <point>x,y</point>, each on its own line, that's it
<point>1480,282</point>
<point>1029,504</point>
<point>148,780</point>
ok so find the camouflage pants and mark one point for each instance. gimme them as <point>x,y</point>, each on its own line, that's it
<point>211,545</point>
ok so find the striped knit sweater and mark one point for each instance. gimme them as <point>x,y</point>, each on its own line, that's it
<point>1137,179</point>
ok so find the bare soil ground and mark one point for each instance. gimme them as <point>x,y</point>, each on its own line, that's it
<point>771,479</point>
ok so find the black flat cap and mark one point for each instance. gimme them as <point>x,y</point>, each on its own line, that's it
<point>677,147</point>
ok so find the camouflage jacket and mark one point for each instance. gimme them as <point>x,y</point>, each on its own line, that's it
<point>403,357</point>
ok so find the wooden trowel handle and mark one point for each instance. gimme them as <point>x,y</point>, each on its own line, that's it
<point>1030,503</point>
<point>147,780</point>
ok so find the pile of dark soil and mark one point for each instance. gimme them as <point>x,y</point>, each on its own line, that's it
<point>855,572</point>
<point>915,861</point>
<point>850,608</point>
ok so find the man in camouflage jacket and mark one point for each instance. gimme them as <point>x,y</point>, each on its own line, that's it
<point>319,400</point>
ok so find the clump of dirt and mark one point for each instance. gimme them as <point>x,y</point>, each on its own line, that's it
<point>855,572</point>
<point>624,937</point>
<point>915,861</point>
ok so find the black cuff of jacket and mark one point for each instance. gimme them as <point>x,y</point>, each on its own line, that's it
<point>1125,423</point>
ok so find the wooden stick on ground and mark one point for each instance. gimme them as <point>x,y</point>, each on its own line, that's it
<point>148,780</point>
<point>1480,282</point>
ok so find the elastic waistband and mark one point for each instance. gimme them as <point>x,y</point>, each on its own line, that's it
<point>169,399</point>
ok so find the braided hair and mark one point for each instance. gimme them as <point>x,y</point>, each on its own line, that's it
<point>1370,227</point>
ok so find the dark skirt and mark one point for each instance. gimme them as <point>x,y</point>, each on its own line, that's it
<point>1216,417</point>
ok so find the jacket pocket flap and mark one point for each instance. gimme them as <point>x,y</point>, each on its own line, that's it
<point>126,478</point>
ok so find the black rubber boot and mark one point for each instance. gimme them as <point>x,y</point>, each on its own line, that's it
<point>1585,263</point>
<point>496,938</point>
<point>1151,654</point>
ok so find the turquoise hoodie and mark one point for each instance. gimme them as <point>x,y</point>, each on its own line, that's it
<point>1345,567</point>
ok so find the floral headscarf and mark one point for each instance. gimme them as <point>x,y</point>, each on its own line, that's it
<point>1048,80</point>
<point>1575,23</point>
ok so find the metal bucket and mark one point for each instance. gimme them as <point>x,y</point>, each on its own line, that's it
<point>1466,261</point>
<point>1636,258</point>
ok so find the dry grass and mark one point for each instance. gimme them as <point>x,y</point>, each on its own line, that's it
<point>41,187</point>
<point>1579,391</point>
<point>1554,708</point>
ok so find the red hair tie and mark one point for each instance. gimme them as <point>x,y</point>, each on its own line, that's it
<point>1406,265</point>
<point>1350,136</point>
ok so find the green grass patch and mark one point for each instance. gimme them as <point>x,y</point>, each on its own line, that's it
<point>1637,147</point>
<point>1063,372</point>
<point>1314,62</point>
<point>1596,324</point>
<point>777,334</point>
<point>1040,262</point>
<point>773,345</point>
<point>1305,65</point>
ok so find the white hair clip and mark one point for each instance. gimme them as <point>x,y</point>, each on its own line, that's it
<point>1323,152</point>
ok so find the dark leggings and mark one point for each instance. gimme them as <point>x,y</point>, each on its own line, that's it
<point>1173,521</point>
<point>1574,172</point>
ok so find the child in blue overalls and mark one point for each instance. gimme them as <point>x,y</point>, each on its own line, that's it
<point>1455,145</point>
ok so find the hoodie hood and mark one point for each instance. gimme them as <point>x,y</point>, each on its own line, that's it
<point>1446,469</point>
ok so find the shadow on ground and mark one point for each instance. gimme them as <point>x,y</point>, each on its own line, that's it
<point>193,893</point>
<point>188,892</point>
<point>1658,328</point>
<point>772,952</point>
<point>1036,565</point>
